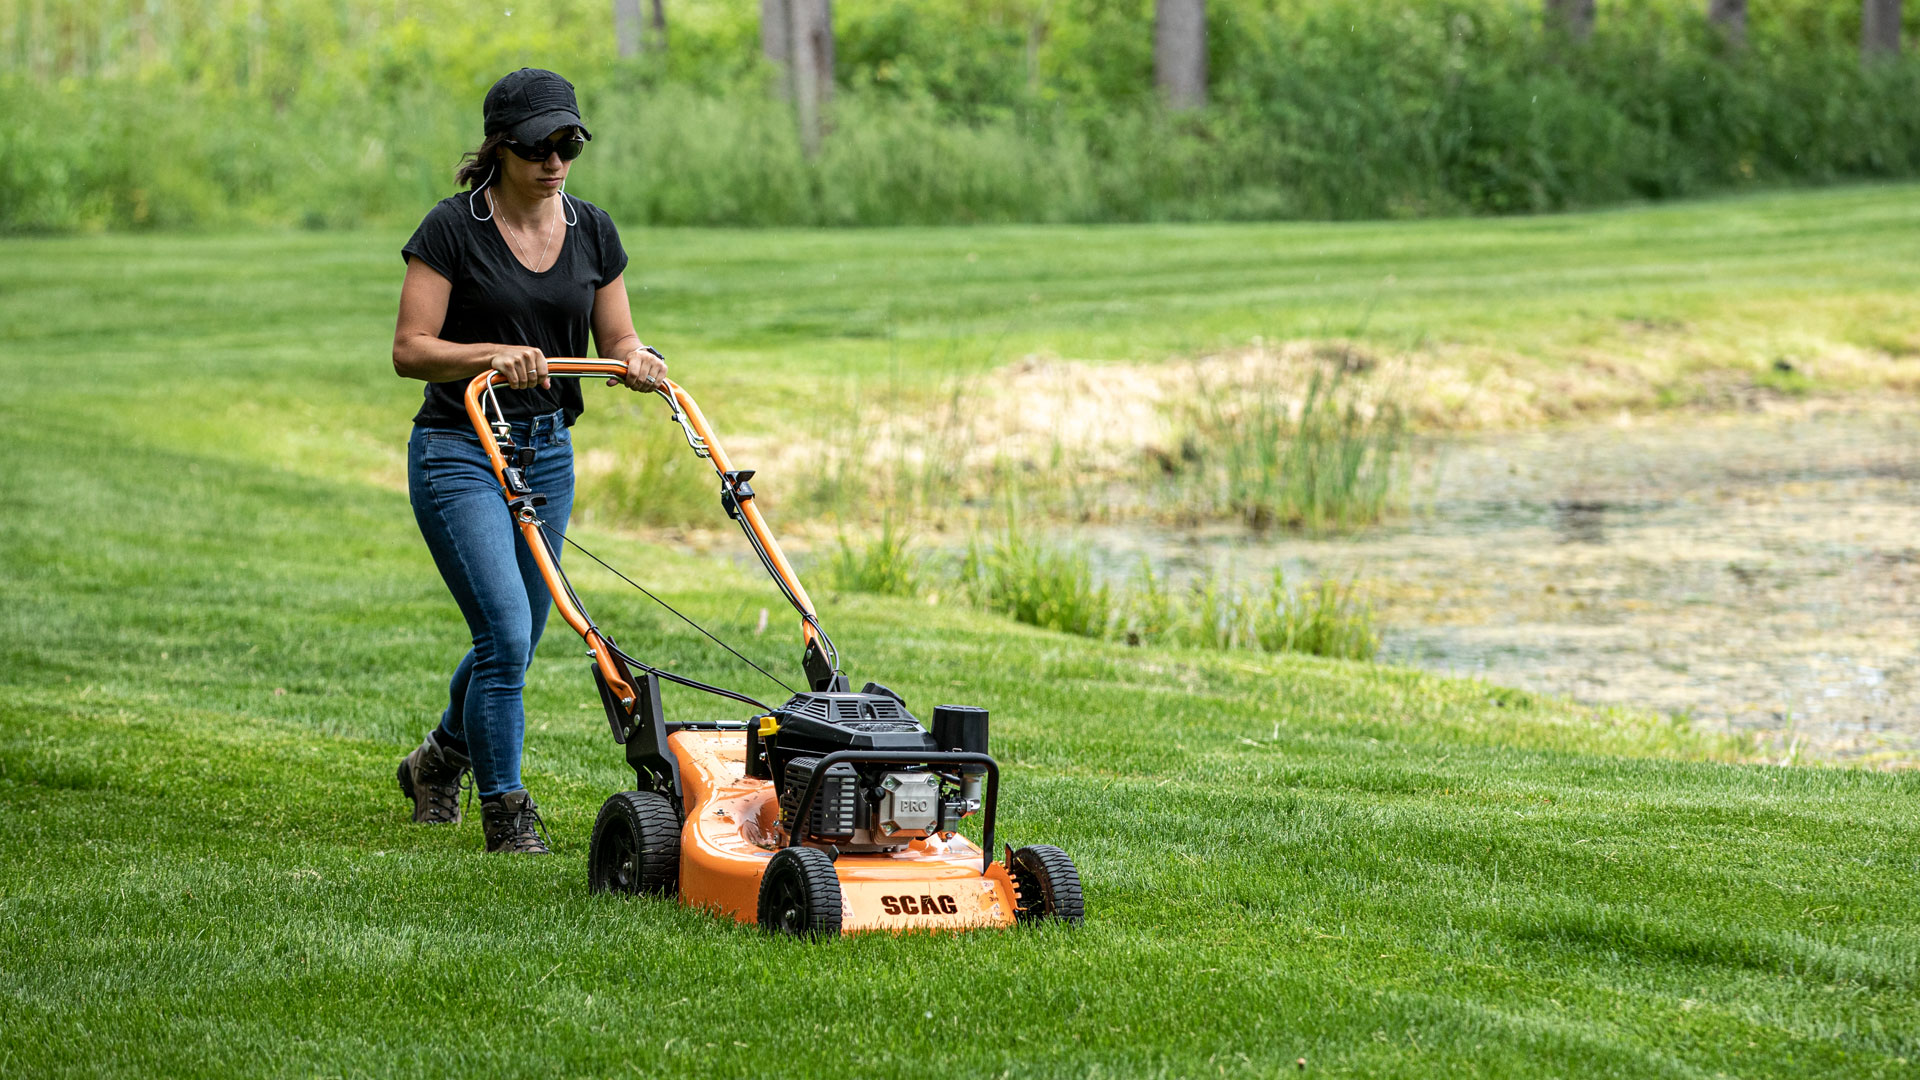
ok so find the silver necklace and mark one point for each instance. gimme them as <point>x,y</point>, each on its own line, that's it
<point>518,247</point>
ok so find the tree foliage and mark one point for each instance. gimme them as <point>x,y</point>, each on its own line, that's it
<point>126,113</point>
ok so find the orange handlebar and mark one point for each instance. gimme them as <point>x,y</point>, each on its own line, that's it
<point>687,413</point>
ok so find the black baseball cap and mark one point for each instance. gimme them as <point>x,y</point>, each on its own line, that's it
<point>530,104</point>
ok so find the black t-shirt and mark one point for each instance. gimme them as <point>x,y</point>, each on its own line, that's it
<point>496,299</point>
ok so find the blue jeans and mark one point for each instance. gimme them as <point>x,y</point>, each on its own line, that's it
<point>493,578</point>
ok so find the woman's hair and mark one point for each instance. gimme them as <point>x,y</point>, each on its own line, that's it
<point>477,165</point>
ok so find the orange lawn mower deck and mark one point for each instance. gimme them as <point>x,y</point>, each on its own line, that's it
<point>837,812</point>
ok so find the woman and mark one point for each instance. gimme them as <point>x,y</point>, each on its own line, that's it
<point>499,278</point>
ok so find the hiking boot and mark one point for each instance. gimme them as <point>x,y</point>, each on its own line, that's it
<point>513,825</point>
<point>431,776</point>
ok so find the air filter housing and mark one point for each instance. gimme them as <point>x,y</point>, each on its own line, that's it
<point>960,727</point>
<point>836,814</point>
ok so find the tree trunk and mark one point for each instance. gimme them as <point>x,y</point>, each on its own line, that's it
<point>626,27</point>
<point>1036,37</point>
<point>1180,52</point>
<point>1571,18</point>
<point>809,38</point>
<point>149,44</point>
<point>773,31</point>
<point>1879,29</point>
<point>1730,17</point>
<point>775,44</point>
<point>654,40</point>
<point>823,44</point>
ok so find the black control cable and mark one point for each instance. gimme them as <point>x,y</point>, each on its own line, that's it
<point>545,528</point>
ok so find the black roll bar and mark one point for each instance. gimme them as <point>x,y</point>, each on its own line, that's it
<point>804,813</point>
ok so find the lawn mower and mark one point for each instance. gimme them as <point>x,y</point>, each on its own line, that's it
<point>837,812</point>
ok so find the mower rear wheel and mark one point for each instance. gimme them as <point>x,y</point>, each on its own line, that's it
<point>1048,884</point>
<point>636,846</point>
<point>800,894</point>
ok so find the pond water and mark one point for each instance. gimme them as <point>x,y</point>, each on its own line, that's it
<point>1760,573</point>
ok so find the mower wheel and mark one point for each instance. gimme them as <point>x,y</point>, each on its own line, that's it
<point>800,894</point>
<point>636,846</point>
<point>1048,884</point>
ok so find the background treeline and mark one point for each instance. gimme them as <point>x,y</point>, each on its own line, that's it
<point>144,113</point>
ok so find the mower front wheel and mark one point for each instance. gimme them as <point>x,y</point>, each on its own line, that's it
<point>636,846</point>
<point>800,894</point>
<point>1048,884</point>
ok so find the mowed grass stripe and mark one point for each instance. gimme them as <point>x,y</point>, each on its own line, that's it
<point>215,879</point>
<point>834,303</point>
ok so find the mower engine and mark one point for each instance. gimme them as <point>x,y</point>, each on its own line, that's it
<point>868,806</point>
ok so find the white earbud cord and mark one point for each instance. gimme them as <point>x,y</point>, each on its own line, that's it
<point>567,213</point>
<point>474,210</point>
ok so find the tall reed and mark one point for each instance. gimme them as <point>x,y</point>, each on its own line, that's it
<point>1325,619</point>
<point>889,564</point>
<point>1050,587</point>
<point>645,475</point>
<point>1333,462</point>
<point>1054,588</point>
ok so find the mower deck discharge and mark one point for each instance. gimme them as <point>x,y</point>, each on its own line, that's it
<point>837,812</point>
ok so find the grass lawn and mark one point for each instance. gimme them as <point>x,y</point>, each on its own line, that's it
<point>219,630</point>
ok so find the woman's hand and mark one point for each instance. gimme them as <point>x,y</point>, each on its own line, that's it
<point>521,365</point>
<point>646,371</point>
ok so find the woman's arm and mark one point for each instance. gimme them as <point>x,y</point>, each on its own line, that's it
<point>613,335</point>
<point>420,353</point>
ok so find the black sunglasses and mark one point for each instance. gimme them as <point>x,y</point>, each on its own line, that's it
<point>568,149</point>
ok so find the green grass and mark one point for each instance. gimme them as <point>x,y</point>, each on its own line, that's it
<point>219,630</point>
<point>778,331</point>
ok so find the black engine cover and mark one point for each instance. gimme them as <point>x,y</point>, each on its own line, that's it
<point>821,723</point>
<point>817,724</point>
